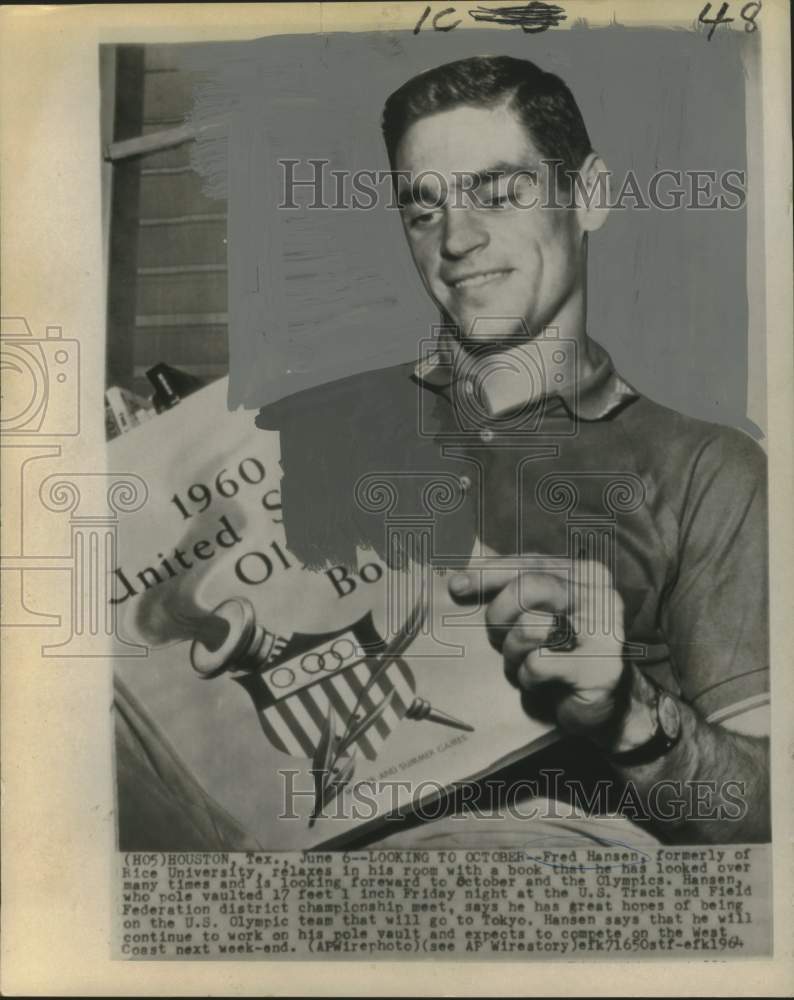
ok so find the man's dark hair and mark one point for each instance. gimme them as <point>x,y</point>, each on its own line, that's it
<point>541,101</point>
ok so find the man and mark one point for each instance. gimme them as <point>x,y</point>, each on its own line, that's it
<point>501,242</point>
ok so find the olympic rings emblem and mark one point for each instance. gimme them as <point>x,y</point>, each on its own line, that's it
<point>330,659</point>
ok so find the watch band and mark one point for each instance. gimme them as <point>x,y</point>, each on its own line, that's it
<point>664,738</point>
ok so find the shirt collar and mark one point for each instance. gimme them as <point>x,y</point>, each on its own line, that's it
<point>547,366</point>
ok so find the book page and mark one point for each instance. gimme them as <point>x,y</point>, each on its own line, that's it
<point>205,552</point>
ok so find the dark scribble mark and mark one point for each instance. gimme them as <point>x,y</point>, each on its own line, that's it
<point>532,17</point>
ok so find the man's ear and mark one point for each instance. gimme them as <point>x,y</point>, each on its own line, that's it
<point>592,193</point>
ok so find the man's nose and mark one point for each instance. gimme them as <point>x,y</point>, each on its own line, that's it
<point>463,232</point>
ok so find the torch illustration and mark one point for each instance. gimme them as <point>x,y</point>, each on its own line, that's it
<point>298,683</point>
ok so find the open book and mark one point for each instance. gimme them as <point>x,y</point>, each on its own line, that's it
<point>309,704</point>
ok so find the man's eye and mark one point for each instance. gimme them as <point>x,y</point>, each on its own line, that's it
<point>423,219</point>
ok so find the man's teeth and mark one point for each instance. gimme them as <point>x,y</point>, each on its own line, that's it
<point>478,279</point>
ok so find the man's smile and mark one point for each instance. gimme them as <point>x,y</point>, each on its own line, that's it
<point>476,278</point>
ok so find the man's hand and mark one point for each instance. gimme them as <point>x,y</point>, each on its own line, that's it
<point>562,632</point>
<point>532,611</point>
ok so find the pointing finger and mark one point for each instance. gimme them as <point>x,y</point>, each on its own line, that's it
<point>475,586</point>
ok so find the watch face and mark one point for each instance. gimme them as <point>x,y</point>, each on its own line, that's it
<point>669,716</point>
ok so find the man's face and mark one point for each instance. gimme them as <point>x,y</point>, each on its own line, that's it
<point>482,255</point>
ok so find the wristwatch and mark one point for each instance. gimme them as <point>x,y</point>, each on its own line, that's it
<point>664,738</point>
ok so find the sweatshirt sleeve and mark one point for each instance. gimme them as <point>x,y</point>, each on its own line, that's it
<point>716,612</point>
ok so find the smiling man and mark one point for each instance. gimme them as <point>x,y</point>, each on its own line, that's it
<point>485,243</point>
<point>646,641</point>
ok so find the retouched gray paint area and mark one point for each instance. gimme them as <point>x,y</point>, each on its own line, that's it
<point>318,295</point>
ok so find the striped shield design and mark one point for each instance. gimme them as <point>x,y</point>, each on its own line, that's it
<point>294,724</point>
<point>292,697</point>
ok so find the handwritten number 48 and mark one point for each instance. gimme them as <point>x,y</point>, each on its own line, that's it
<point>748,14</point>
